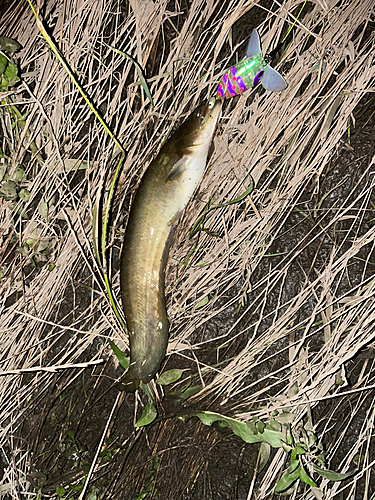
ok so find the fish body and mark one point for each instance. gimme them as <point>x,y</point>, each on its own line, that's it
<point>163,193</point>
<point>249,72</point>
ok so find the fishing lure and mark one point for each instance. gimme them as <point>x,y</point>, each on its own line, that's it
<point>251,71</point>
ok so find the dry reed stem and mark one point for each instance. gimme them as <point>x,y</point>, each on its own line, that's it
<point>52,369</point>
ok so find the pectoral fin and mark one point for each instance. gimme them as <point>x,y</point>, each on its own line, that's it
<point>173,222</point>
<point>272,80</point>
<point>178,168</point>
<point>254,47</point>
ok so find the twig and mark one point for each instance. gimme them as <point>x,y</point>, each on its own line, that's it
<point>81,496</point>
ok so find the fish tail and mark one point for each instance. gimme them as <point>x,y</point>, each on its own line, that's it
<point>128,383</point>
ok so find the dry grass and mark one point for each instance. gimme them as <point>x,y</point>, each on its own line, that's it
<point>285,141</point>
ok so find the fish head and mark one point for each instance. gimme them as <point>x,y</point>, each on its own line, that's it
<point>196,133</point>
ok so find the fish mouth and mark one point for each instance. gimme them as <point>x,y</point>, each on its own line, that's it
<point>195,135</point>
<point>211,117</point>
<point>213,110</point>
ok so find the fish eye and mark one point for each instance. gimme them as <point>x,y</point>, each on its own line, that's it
<point>211,102</point>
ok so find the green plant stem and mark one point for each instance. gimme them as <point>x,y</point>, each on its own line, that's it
<point>70,73</point>
<point>109,291</point>
<point>296,19</point>
<point>107,209</point>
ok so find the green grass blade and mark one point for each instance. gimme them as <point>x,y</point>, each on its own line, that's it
<point>111,300</point>
<point>141,75</point>
<point>119,355</point>
<point>70,73</point>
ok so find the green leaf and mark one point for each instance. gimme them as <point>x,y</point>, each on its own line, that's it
<point>149,414</point>
<point>201,303</point>
<point>199,223</point>
<point>95,234</point>
<point>261,427</point>
<point>11,73</point>
<point>253,427</point>
<point>43,208</point>
<point>169,377</point>
<point>148,390</point>
<point>8,44</point>
<point>293,391</point>
<point>140,74</point>
<point>306,478</point>
<point>238,199</point>
<point>60,491</point>
<point>222,423</point>
<point>312,438</point>
<point>30,241</point>
<point>289,477</point>
<point>276,426</point>
<point>70,435</point>
<point>298,450</point>
<point>19,174</point>
<point>243,430</point>
<point>190,391</point>
<point>119,355</point>
<point>332,475</point>
<point>22,250</point>
<point>286,417</point>
<point>359,459</point>
<point>294,465</point>
<point>286,447</point>
<point>8,190</point>
<point>142,496</point>
<point>24,194</point>
<point>264,455</point>
<point>3,64</point>
<point>73,165</point>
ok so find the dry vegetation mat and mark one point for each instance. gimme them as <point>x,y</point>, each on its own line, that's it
<point>272,297</point>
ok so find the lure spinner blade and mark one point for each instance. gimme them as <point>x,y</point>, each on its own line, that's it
<point>249,72</point>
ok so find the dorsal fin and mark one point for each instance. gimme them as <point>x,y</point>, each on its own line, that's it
<point>272,80</point>
<point>254,47</point>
